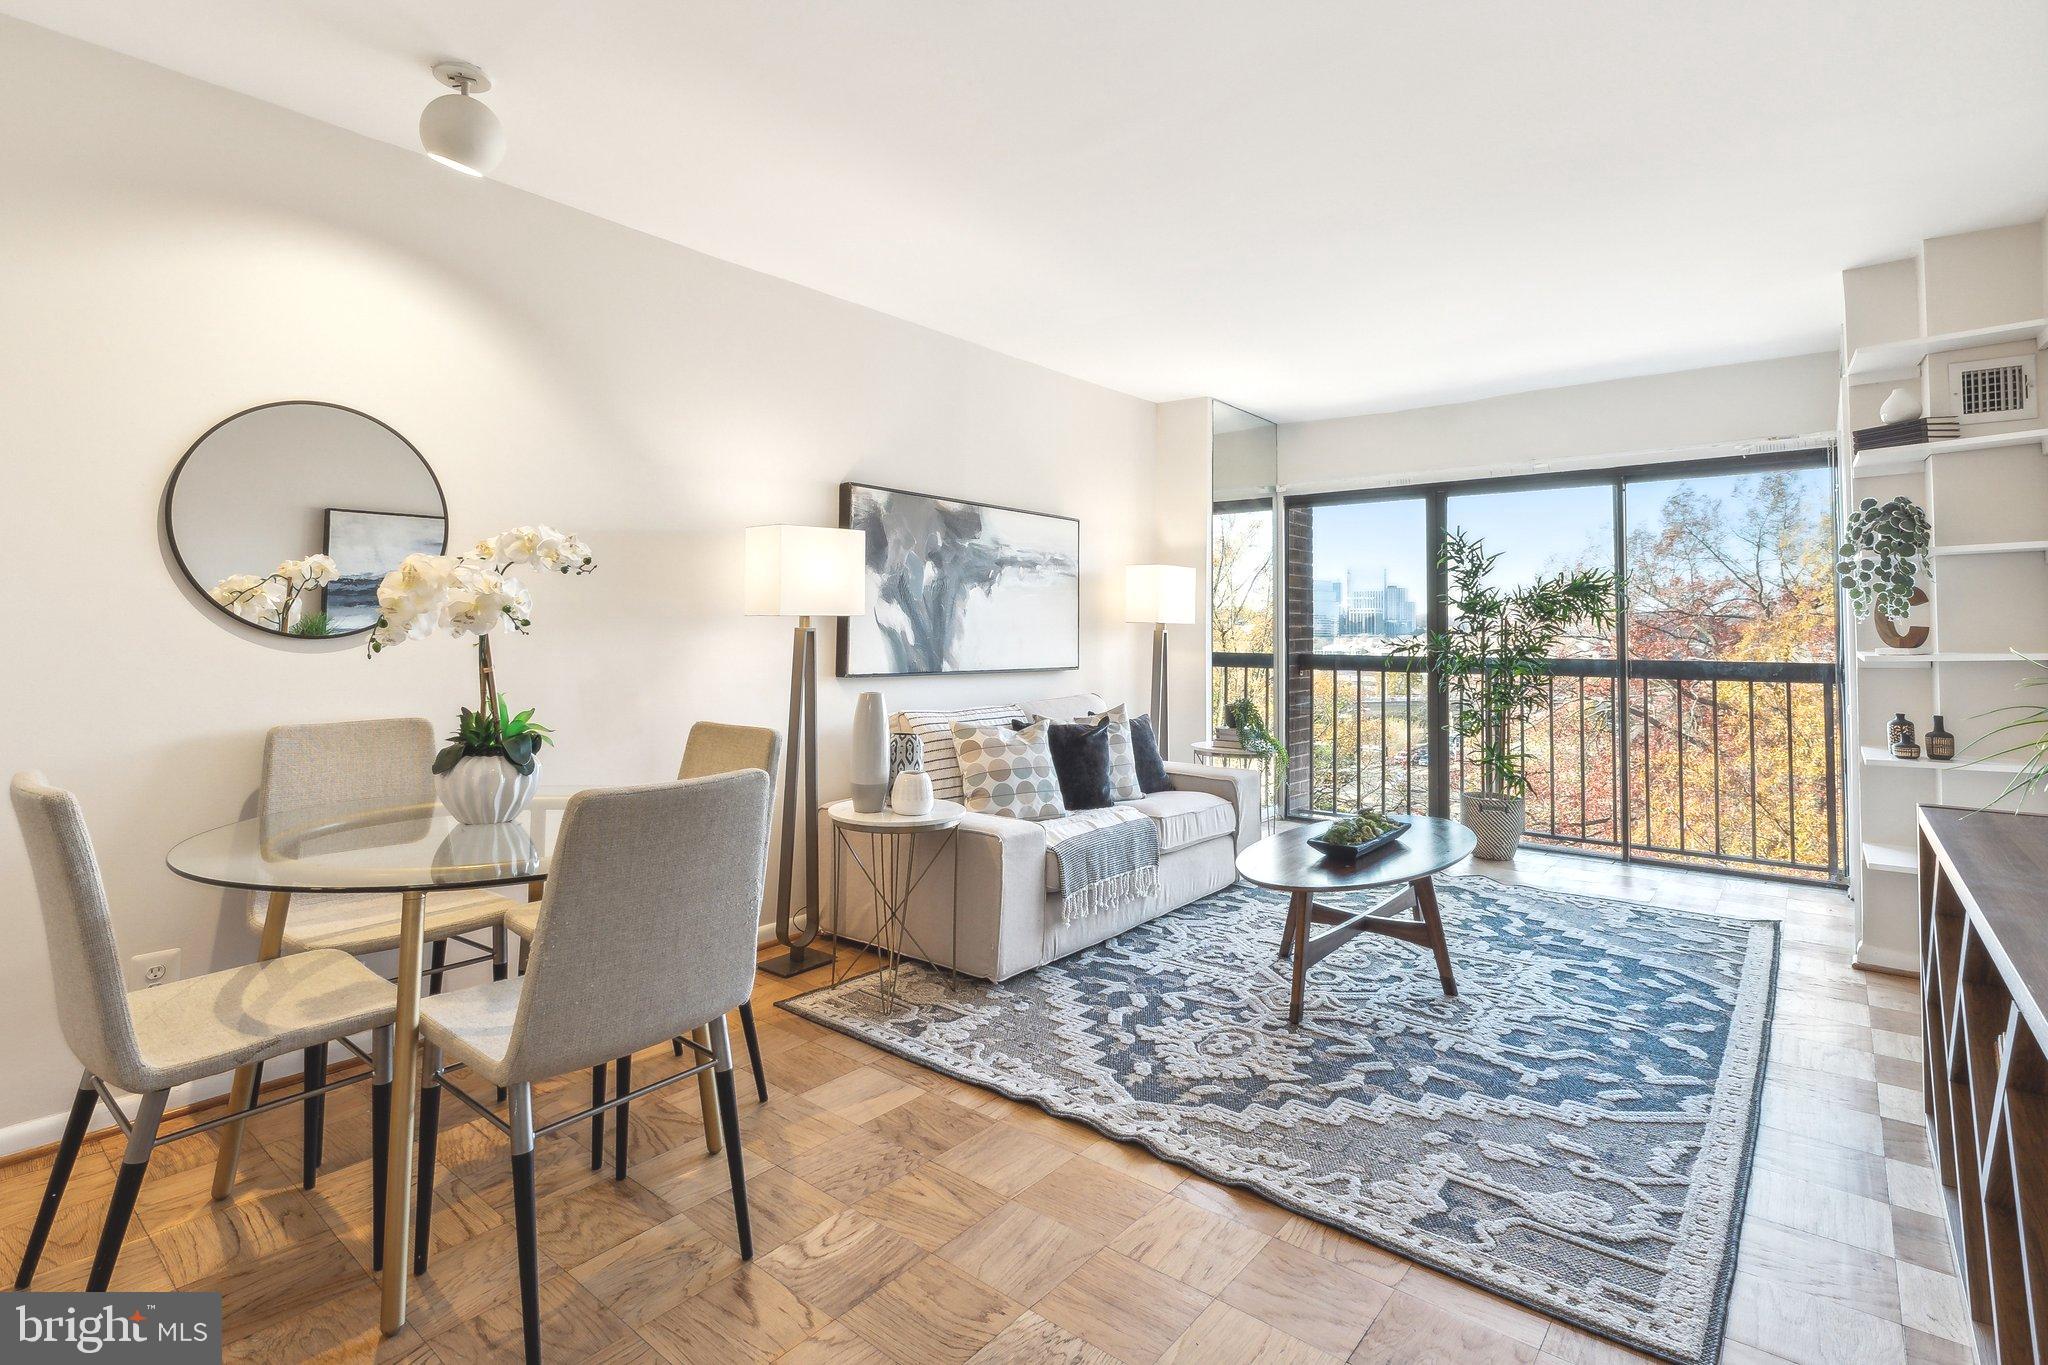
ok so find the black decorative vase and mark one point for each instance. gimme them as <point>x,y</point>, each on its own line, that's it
<point>1940,743</point>
<point>1899,737</point>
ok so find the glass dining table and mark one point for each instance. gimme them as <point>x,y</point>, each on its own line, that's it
<point>356,848</point>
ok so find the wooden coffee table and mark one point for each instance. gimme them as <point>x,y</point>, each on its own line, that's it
<point>1285,862</point>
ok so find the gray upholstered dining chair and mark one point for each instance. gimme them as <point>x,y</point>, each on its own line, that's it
<point>653,899</point>
<point>711,748</point>
<point>149,1041</point>
<point>381,762</point>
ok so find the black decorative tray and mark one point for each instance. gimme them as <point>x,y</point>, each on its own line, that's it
<point>1349,853</point>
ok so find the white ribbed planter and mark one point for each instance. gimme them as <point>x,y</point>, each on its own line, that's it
<point>1498,822</point>
<point>486,790</point>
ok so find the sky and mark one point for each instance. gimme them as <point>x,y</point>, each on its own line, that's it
<point>1535,531</point>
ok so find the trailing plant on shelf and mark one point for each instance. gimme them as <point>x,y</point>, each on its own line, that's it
<point>1243,717</point>
<point>488,771</point>
<point>1886,552</point>
<point>1494,662</point>
<point>269,599</point>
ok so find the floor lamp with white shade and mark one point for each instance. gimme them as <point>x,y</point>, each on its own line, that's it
<point>805,572</point>
<point>1160,595</point>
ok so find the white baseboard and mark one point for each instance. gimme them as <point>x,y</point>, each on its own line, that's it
<point>1880,960</point>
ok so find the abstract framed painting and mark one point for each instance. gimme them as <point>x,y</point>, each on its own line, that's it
<point>364,547</point>
<point>960,587</point>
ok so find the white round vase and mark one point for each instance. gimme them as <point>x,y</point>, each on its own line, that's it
<point>486,789</point>
<point>912,794</point>
<point>1900,405</point>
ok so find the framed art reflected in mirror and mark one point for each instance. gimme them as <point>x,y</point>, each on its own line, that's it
<point>286,516</point>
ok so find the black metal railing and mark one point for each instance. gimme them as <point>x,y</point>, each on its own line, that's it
<point>1236,675</point>
<point>1718,762</point>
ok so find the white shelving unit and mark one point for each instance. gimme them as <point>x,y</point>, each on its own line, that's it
<point>1882,757</point>
<point>2001,547</point>
<point>1909,459</point>
<point>1887,362</point>
<point>1893,658</point>
<point>1889,858</point>
<point>1986,493</point>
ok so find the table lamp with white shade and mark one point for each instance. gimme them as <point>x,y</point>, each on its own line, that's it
<point>1160,595</point>
<point>805,572</point>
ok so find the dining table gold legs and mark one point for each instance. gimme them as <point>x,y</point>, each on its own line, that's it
<point>707,1095</point>
<point>405,1093</point>
<point>242,1092</point>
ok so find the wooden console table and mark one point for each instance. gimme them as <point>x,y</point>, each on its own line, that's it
<point>1983,979</point>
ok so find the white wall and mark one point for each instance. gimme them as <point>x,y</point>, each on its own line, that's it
<point>1181,475</point>
<point>170,253</point>
<point>1557,428</point>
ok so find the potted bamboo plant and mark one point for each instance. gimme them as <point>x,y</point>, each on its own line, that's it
<point>1493,661</point>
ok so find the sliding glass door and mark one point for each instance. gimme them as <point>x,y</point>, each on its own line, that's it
<point>1733,702</point>
<point>1359,708</point>
<point>1703,727</point>
<point>1568,748</point>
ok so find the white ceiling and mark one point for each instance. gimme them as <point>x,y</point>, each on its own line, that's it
<point>1305,209</point>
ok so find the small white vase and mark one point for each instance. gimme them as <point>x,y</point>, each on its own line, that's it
<point>870,754</point>
<point>1900,405</point>
<point>912,795</point>
<point>486,789</point>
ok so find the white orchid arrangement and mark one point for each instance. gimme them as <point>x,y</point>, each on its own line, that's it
<point>475,594</point>
<point>269,599</point>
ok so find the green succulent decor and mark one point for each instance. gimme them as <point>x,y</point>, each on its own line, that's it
<point>1886,552</point>
<point>480,734</point>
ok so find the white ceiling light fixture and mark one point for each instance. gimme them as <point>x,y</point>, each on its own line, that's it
<point>459,130</point>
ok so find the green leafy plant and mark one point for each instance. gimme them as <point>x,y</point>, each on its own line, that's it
<point>482,734</point>
<point>2029,726</point>
<point>313,623</point>
<point>1494,659</point>
<point>1243,717</point>
<point>1886,552</point>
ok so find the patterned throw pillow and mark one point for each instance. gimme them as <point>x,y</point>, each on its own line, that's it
<point>1123,759</point>
<point>1008,772</point>
<point>934,730</point>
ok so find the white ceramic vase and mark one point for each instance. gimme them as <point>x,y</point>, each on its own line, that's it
<point>912,795</point>
<point>486,789</point>
<point>870,754</point>
<point>1900,405</point>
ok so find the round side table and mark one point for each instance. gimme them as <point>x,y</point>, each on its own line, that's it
<point>901,851</point>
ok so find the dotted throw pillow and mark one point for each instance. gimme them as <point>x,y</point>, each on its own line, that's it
<point>1123,758</point>
<point>1008,772</point>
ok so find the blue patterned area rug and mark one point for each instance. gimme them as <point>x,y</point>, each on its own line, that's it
<point>1573,1130</point>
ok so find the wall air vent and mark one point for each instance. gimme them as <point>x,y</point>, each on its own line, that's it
<point>1997,390</point>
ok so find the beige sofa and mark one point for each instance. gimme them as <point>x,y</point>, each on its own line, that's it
<point>1008,897</point>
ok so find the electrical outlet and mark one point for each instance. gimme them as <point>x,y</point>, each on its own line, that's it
<point>152,969</point>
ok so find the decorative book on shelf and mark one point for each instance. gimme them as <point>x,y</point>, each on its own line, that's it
<point>1915,432</point>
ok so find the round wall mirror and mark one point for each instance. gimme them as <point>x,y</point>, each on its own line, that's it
<point>287,516</point>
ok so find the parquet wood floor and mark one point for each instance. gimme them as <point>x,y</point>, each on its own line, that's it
<point>904,1217</point>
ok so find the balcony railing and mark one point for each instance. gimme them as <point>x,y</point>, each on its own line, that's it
<point>1712,762</point>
